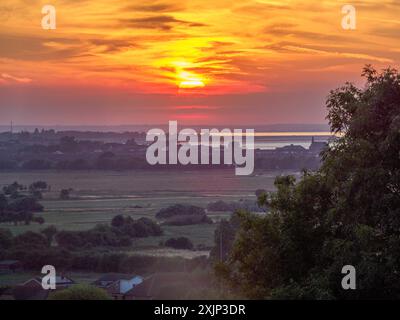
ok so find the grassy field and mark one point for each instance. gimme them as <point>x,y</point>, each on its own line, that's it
<point>100,195</point>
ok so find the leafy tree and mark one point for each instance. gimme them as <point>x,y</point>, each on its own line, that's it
<point>38,185</point>
<point>49,233</point>
<point>348,212</point>
<point>260,192</point>
<point>37,188</point>
<point>25,204</point>
<point>80,292</point>
<point>65,194</point>
<point>12,188</point>
<point>118,221</point>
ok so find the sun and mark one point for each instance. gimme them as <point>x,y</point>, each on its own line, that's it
<point>190,84</point>
<point>189,80</point>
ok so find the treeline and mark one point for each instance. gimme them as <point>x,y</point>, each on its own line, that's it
<point>288,162</point>
<point>136,161</point>
<point>34,250</point>
<point>119,234</point>
<point>63,259</point>
<point>181,215</point>
<point>232,206</point>
<point>20,208</point>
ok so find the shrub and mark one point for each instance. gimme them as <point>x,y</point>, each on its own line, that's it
<point>179,243</point>
<point>80,292</point>
<point>179,210</point>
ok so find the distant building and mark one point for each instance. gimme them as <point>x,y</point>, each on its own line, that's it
<point>317,147</point>
<point>291,149</point>
<point>168,285</point>
<point>32,289</point>
<point>117,284</point>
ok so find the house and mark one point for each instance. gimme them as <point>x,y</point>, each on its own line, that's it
<point>32,289</point>
<point>143,291</point>
<point>7,266</point>
<point>168,286</point>
<point>62,282</point>
<point>117,284</point>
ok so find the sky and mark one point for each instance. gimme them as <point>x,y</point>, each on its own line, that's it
<point>247,62</point>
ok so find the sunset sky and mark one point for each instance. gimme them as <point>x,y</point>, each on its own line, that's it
<point>199,62</point>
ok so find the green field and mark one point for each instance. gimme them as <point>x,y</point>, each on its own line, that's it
<point>100,195</point>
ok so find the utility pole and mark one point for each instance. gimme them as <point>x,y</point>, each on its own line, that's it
<point>220,243</point>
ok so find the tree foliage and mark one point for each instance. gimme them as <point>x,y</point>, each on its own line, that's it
<point>348,212</point>
<point>80,292</point>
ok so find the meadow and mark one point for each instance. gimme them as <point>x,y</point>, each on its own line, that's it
<point>98,196</point>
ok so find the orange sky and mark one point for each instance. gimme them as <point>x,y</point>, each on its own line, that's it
<point>198,61</point>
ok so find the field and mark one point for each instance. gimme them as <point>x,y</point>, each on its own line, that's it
<point>100,195</point>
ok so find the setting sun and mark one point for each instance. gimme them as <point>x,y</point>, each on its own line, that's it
<point>188,80</point>
<point>191,84</point>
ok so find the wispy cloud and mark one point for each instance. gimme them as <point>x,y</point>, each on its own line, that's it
<point>6,76</point>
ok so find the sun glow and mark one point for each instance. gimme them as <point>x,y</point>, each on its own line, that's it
<point>191,84</point>
<point>188,80</point>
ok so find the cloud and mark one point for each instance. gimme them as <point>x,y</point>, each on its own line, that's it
<point>6,76</point>
<point>34,48</point>
<point>163,22</point>
<point>155,7</point>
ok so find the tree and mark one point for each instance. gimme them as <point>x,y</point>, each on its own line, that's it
<point>65,194</point>
<point>80,292</point>
<point>348,212</point>
<point>25,204</point>
<point>12,188</point>
<point>118,221</point>
<point>38,185</point>
<point>49,233</point>
<point>37,188</point>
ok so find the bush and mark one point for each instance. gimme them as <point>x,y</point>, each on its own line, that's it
<point>179,243</point>
<point>143,227</point>
<point>232,206</point>
<point>188,220</point>
<point>179,210</point>
<point>80,292</point>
